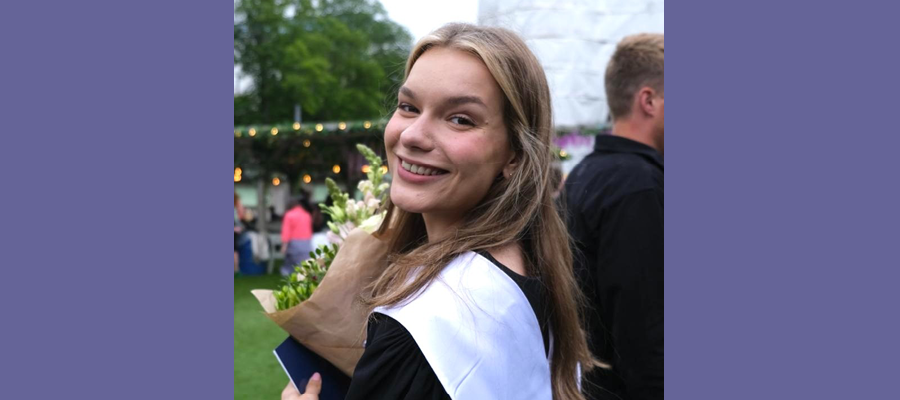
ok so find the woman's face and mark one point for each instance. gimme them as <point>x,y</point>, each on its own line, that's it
<point>447,142</point>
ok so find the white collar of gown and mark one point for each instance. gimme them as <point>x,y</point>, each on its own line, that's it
<point>478,332</point>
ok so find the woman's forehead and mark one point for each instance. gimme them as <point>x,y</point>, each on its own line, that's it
<point>446,72</point>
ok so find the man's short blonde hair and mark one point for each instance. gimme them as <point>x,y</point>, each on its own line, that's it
<point>636,63</point>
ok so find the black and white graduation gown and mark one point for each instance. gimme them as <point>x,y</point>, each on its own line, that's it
<point>478,332</point>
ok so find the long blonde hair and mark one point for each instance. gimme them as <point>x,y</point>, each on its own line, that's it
<point>517,209</point>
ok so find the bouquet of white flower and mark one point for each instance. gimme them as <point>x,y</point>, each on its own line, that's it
<point>346,215</point>
<point>317,304</point>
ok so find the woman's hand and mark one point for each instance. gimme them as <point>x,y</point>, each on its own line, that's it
<point>311,393</point>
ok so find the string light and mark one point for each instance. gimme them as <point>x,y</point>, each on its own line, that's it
<point>384,169</point>
<point>276,181</point>
<point>252,132</point>
<point>237,133</point>
<point>562,153</point>
<point>367,125</point>
<point>306,143</point>
<point>237,174</point>
<point>366,169</point>
<point>342,126</point>
<point>319,127</point>
<point>296,126</point>
<point>274,131</point>
<point>307,178</point>
<point>336,168</point>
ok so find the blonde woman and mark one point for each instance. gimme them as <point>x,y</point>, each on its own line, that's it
<point>479,299</point>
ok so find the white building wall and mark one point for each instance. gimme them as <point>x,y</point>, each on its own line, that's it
<point>574,40</point>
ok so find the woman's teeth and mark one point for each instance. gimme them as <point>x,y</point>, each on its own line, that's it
<point>420,170</point>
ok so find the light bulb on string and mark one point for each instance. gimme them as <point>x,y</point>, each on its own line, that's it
<point>252,132</point>
<point>366,168</point>
<point>274,131</point>
<point>307,178</point>
<point>296,126</point>
<point>336,168</point>
<point>319,127</point>
<point>367,125</point>
<point>342,126</point>
<point>306,143</point>
<point>276,181</point>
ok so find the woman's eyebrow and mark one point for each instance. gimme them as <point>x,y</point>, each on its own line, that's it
<point>460,100</point>
<point>456,100</point>
<point>408,92</point>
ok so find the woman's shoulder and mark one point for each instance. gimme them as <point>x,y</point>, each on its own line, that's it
<point>509,256</point>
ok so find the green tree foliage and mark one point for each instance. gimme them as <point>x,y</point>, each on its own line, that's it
<point>338,59</point>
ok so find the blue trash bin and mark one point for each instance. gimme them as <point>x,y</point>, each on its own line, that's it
<point>245,257</point>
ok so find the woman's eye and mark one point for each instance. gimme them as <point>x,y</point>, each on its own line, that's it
<point>408,108</point>
<point>462,121</point>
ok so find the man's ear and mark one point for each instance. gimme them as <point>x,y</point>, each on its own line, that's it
<point>646,99</point>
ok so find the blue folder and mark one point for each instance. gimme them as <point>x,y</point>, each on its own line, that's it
<point>300,363</point>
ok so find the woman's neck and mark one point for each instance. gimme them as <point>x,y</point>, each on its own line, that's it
<point>440,226</point>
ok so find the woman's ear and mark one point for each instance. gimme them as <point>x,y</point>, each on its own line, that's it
<point>510,167</point>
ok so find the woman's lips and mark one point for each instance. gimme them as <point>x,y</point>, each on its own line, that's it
<point>421,169</point>
<point>414,173</point>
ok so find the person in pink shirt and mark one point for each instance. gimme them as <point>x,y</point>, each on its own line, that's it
<point>296,234</point>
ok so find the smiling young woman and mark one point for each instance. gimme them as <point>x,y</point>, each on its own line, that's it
<point>479,299</point>
<point>448,139</point>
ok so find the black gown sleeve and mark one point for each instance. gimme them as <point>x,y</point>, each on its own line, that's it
<point>393,366</point>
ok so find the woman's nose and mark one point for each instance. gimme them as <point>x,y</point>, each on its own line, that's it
<point>418,136</point>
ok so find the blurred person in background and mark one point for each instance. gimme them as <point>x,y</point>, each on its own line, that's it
<point>296,233</point>
<point>614,201</point>
<point>238,230</point>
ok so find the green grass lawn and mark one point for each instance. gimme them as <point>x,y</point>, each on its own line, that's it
<point>257,374</point>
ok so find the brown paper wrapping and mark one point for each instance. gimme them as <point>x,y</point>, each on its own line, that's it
<point>332,322</point>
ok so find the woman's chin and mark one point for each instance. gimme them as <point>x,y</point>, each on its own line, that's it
<point>409,203</point>
<point>411,208</point>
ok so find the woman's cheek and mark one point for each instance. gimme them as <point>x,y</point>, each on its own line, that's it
<point>392,131</point>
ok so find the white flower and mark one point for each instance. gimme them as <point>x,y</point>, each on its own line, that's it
<point>365,186</point>
<point>345,229</point>
<point>372,223</point>
<point>373,204</point>
<point>352,208</point>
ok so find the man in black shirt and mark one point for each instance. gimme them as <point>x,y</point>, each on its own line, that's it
<point>614,205</point>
